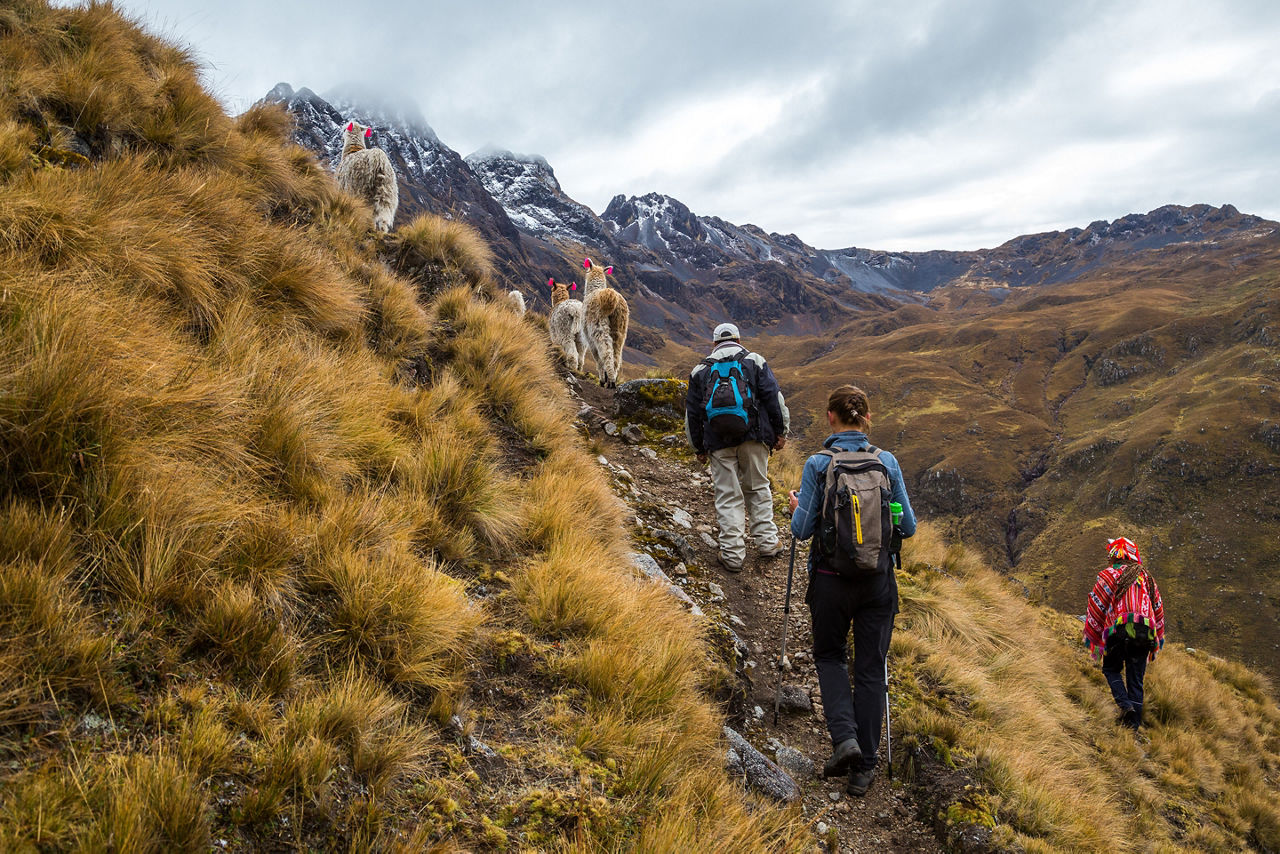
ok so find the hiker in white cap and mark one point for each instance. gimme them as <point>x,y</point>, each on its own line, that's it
<point>734,417</point>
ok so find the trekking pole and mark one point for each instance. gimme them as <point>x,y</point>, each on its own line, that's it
<point>896,556</point>
<point>888,730</point>
<point>786,618</point>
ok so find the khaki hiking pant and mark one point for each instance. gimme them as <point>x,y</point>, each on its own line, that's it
<point>740,476</point>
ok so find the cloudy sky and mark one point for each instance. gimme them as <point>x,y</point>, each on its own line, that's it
<point>951,124</point>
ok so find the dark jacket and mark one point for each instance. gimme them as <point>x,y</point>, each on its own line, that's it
<point>771,418</point>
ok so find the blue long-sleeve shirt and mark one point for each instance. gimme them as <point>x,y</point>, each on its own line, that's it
<point>812,482</point>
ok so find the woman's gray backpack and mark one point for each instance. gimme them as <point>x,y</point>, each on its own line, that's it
<point>856,530</point>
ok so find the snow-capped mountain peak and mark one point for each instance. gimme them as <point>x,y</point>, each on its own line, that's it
<point>526,187</point>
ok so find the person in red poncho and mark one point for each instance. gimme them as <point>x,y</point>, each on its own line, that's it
<point>1125,625</point>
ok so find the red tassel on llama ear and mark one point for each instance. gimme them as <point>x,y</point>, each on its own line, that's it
<point>586,263</point>
<point>351,125</point>
<point>551,283</point>
<point>608,271</point>
<point>574,286</point>
<point>368,132</point>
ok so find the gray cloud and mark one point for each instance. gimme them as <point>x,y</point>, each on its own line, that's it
<point>931,124</point>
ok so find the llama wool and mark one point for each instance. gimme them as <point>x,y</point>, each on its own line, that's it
<point>606,316</point>
<point>366,173</point>
<point>565,324</point>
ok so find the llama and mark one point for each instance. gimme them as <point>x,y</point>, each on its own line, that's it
<point>517,302</point>
<point>565,324</point>
<point>605,319</point>
<point>366,173</point>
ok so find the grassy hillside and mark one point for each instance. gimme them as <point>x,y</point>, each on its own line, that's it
<point>1140,400</point>
<point>272,515</point>
<point>1005,719</point>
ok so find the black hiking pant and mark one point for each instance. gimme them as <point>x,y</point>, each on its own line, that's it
<point>868,606</point>
<point>1124,664</point>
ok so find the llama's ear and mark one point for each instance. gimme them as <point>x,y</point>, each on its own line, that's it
<point>586,263</point>
<point>351,125</point>
<point>608,271</point>
<point>368,132</point>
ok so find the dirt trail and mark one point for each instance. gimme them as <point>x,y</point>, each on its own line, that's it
<point>888,817</point>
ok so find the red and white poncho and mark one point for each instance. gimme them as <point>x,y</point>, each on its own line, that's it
<point>1107,613</point>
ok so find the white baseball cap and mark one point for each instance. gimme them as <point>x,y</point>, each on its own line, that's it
<point>725,332</point>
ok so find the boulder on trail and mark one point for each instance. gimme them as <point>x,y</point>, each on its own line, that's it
<point>759,772</point>
<point>658,403</point>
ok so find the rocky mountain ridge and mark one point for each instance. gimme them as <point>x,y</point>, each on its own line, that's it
<point>684,272</point>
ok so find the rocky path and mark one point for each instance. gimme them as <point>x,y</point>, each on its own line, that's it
<point>674,524</point>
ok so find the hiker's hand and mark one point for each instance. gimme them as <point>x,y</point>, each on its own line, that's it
<point>793,500</point>
<point>703,458</point>
<point>780,444</point>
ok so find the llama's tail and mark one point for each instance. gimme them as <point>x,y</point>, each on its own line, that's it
<point>619,320</point>
<point>607,317</point>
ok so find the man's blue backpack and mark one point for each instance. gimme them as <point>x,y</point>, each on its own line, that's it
<point>730,401</point>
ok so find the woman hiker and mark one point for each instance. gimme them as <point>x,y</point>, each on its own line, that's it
<point>1125,625</point>
<point>841,594</point>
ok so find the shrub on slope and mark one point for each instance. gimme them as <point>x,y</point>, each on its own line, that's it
<point>267,521</point>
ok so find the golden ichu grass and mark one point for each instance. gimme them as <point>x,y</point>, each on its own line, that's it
<point>279,498</point>
<point>991,683</point>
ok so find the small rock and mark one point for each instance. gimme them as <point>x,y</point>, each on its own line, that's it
<point>680,570</point>
<point>737,621</point>
<point>632,434</point>
<point>834,796</point>
<point>882,815</point>
<point>678,542</point>
<point>671,440</point>
<point>478,747</point>
<point>706,538</point>
<point>716,591</point>
<point>649,453</point>
<point>649,567</point>
<point>773,744</point>
<point>682,518</point>
<point>794,700</point>
<point>757,648</point>
<point>92,721</point>
<point>706,529</point>
<point>610,428</point>
<point>757,713</point>
<point>584,413</point>
<point>601,460</point>
<point>759,772</point>
<point>822,828</point>
<point>795,763</point>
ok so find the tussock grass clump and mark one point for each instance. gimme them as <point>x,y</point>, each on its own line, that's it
<point>987,682</point>
<point>272,511</point>
<point>436,253</point>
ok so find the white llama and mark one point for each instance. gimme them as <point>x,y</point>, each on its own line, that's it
<point>605,319</point>
<point>516,299</point>
<point>565,324</point>
<point>366,173</point>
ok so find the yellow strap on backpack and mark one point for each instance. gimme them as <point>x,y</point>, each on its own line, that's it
<point>857,518</point>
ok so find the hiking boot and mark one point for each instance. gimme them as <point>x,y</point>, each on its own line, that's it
<point>730,565</point>
<point>770,551</point>
<point>1131,718</point>
<point>860,781</point>
<point>845,754</point>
